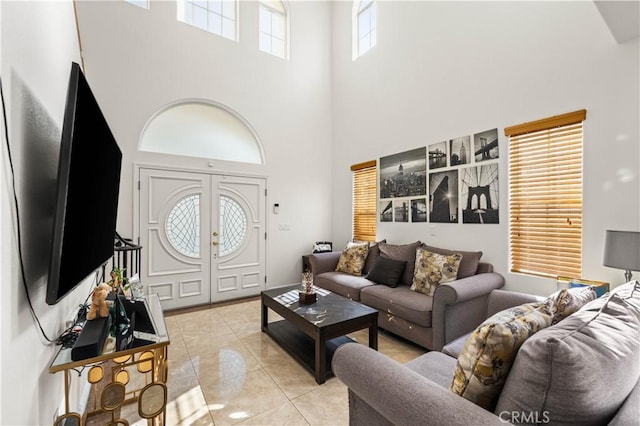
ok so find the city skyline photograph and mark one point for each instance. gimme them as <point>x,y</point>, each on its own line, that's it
<point>460,151</point>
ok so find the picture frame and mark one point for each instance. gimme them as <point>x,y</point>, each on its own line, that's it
<point>403,174</point>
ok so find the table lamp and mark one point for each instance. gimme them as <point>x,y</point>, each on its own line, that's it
<point>622,251</point>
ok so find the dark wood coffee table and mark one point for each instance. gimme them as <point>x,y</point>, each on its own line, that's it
<point>310,333</point>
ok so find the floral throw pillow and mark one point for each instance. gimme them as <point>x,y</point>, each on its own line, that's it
<point>432,269</point>
<point>352,259</point>
<point>484,363</point>
<point>567,301</point>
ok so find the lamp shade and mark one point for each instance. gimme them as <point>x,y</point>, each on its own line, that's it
<point>622,250</point>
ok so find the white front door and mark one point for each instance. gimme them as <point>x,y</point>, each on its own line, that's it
<point>238,237</point>
<point>203,236</point>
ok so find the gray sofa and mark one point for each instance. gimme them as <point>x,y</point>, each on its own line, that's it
<point>583,370</point>
<point>429,321</point>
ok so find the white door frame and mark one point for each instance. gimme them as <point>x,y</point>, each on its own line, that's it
<point>136,195</point>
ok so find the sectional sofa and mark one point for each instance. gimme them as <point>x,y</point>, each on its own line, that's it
<point>583,370</point>
<point>429,321</point>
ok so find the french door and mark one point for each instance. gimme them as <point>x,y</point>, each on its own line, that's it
<point>203,236</point>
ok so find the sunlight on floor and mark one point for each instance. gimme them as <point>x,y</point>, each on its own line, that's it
<point>224,371</point>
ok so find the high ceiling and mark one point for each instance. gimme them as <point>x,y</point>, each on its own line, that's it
<point>622,18</point>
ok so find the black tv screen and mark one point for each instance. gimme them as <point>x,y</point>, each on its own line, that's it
<point>88,184</point>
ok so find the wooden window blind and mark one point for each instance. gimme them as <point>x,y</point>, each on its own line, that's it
<point>364,201</point>
<point>545,195</point>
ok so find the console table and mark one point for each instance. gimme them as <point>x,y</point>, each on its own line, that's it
<point>137,374</point>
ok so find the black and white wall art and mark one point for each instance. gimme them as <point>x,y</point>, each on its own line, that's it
<point>453,181</point>
<point>385,210</point>
<point>460,151</point>
<point>404,174</point>
<point>437,155</point>
<point>419,210</point>
<point>485,145</point>
<point>479,194</point>
<point>443,197</point>
<point>401,210</point>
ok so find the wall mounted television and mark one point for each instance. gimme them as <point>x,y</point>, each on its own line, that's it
<point>88,184</point>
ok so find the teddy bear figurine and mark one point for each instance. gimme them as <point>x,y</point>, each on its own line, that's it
<point>98,308</point>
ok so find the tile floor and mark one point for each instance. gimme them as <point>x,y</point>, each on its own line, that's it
<point>223,370</point>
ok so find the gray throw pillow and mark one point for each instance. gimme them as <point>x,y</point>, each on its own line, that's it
<point>374,252</point>
<point>406,252</point>
<point>387,271</point>
<point>469,263</point>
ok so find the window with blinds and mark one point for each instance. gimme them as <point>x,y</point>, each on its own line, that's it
<point>545,195</point>
<point>364,201</point>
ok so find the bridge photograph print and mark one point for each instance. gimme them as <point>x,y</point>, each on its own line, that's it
<point>386,211</point>
<point>479,194</point>
<point>401,211</point>
<point>437,155</point>
<point>485,145</point>
<point>419,210</point>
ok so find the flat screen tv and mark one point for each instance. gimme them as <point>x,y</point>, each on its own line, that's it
<point>88,184</point>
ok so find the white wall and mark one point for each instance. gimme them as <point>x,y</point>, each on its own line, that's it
<point>5,215</point>
<point>38,44</point>
<point>139,61</point>
<point>447,69</point>
<point>440,70</point>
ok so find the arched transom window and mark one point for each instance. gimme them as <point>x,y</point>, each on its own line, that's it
<point>202,129</point>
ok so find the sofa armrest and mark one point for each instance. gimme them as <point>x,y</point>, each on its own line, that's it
<point>499,300</point>
<point>459,306</point>
<point>324,262</point>
<point>401,395</point>
<point>484,268</point>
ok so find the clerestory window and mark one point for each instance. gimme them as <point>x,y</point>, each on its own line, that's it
<point>364,26</point>
<point>140,3</point>
<point>274,28</point>
<point>216,16</point>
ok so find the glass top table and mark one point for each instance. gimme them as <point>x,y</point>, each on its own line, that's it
<point>310,333</point>
<point>142,341</point>
<point>137,372</point>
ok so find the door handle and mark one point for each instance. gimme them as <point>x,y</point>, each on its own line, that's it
<point>214,243</point>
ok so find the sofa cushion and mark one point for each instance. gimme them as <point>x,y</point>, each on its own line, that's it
<point>468,264</point>
<point>435,366</point>
<point>387,271</point>
<point>455,347</point>
<point>486,359</point>
<point>353,258</point>
<point>343,284</point>
<point>432,269</point>
<point>372,255</point>
<point>406,252</point>
<point>568,301</point>
<point>581,370</point>
<point>401,302</point>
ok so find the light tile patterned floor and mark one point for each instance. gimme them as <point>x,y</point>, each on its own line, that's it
<point>224,371</point>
